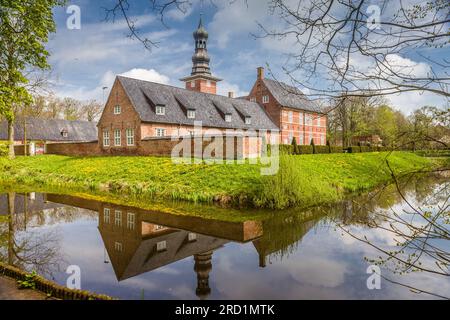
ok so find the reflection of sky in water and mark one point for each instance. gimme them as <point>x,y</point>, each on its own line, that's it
<point>325,264</point>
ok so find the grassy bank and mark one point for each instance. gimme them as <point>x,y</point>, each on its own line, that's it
<point>302,180</point>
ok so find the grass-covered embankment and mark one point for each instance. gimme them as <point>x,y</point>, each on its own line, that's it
<point>302,180</point>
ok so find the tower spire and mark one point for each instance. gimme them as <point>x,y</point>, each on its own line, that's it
<point>201,78</point>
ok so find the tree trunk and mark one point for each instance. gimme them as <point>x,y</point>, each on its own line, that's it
<point>11,153</point>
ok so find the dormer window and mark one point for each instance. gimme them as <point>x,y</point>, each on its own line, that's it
<point>248,120</point>
<point>191,114</point>
<point>161,110</point>
<point>64,133</point>
<point>228,117</point>
<point>117,109</point>
<point>265,99</point>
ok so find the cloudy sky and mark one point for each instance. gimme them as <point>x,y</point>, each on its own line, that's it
<point>86,60</point>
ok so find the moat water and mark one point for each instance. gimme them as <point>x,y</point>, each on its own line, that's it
<point>326,252</point>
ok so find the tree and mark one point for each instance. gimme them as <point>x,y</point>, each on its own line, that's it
<point>294,146</point>
<point>24,29</point>
<point>356,47</point>
<point>91,110</point>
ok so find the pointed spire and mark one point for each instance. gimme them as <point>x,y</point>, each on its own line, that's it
<point>200,23</point>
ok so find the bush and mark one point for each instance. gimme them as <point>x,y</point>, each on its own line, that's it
<point>354,149</point>
<point>294,146</point>
<point>305,149</point>
<point>286,149</point>
<point>3,149</point>
<point>335,149</point>
<point>322,149</point>
<point>313,146</point>
<point>366,149</point>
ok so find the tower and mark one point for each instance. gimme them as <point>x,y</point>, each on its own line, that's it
<point>201,79</point>
<point>203,267</point>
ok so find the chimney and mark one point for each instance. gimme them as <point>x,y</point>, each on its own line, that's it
<point>260,73</point>
<point>231,94</point>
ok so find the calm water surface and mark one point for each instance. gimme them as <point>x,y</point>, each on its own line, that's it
<point>131,253</point>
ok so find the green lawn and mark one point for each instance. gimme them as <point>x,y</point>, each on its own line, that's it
<point>302,180</point>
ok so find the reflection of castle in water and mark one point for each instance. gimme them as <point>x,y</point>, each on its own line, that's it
<point>138,240</point>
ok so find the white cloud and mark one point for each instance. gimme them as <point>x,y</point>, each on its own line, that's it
<point>224,87</point>
<point>146,75</point>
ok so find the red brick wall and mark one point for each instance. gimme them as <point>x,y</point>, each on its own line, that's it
<point>201,85</point>
<point>74,149</point>
<point>127,119</point>
<point>280,116</point>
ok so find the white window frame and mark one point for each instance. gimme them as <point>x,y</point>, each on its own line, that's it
<point>118,218</point>
<point>106,138</point>
<point>192,84</point>
<point>117,109</point>
<point>131,221</point>
<point>290,137</point>
<point>106,215</point>
<point>192,237</point>
<point>308,120</point>
<point>118,246</point>
<point>191,114</point>
<point>117,137</point>
<point>265,99</point>
<point>160,132</point>
<point>228,118</point>
<point>290,117</point>
<point>252,99</point>
<point>161,246</point>
<point>160,110</point>
<point>208,83</point>
<point>322,140</point>
<point>301,142</point>
<point>130,137</point>
<point>248,120</point>
<point>300,118</point>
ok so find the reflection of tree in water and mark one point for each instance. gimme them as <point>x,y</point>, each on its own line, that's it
<point>33,249</point>
<point>418,229</point>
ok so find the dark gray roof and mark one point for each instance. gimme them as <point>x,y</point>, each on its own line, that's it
<point>144,95</point>
<point>289,96</point>
<point>51,130</point>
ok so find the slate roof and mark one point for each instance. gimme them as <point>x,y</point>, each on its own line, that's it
<point>51,130</point>
<point>289,96</point>
<point>210,109</point>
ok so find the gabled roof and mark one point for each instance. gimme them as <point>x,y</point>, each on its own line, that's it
<point>51,130</point>
<point>144,95</point>
<point>290,97</point>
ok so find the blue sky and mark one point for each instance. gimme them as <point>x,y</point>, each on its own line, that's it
<point>83,61</point>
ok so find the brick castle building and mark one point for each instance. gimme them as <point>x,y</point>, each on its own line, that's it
<point>138,111</point>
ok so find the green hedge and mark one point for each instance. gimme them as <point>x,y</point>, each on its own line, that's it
<point>286,149</point>
<point>366,149</point>
<point>335,149</point>
<point>322,149</point>
<point>354,149</point>
<point>304,150</point>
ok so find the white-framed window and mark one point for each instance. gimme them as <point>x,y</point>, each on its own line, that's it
<point>308,119</point>
<point>192,237</point>
<point>248,120</point>
<point>290,116</point>
<point>192,84</point>
<point>160,132</point>
<point>301,139</point>
<point>161,246</point>
<point>318,121</point>
<point>228,118</point>
<point>161,110</point>
<point>106,215</point>
<point>118,246</point>
<point>208,83</point>
<point>106,141</point>
<point>159,227</point>
<point>300,118</point>
<point>117,138</point>
<point>291,137</point>
<point>64,133</point>
<point>265,99</point>
<point>322,140</point>
<point>117,109</point>
<point>131,221</point>
<point>118,218</point>
<point>130,137</point>
<point>191,114</point>
<point>252,99</point>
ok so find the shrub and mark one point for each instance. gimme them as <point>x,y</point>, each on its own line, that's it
<point>294,146</point>
<point>286,149</point>
<point>336,149</point>
<point>313,146</point>
<point>354,149</point>
<point>305,149</point>
<point>3,149</point>
<point>366,149</point>
<point>322,149</point>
